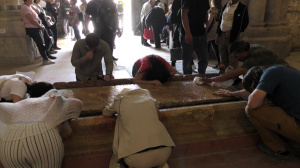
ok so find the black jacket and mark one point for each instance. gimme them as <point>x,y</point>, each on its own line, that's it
<point>51,8</point>
<point>240,21</point>
<point>156,18</point>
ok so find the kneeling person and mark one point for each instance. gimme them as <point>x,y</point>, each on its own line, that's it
<point>87,56</point>
<point>140,139</point>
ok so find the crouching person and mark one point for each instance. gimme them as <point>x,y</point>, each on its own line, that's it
<point>140,139</point>
<point>31,130</point>
<point>280,84</point>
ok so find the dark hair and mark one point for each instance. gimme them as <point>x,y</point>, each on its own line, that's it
<point>157,71</point>
<point>38,89</point>
<point>75,1</point>
<point>239,46</point>
<point>252,77</point>
<point>34,1</point>
<point>92,40</point>
<point>157,2</point>
<point>166,7</point>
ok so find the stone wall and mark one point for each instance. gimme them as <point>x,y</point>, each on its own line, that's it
<point>293,19</point>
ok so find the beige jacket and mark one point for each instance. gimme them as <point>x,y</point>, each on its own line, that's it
<point>138,126</point>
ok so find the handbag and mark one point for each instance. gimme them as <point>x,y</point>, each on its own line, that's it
<point>175,54</point>
<point>148,34</point>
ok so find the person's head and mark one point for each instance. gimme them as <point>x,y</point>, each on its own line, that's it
<point>28,1</point>
<point>157,71</point>
<point>165,7</point>
<point>92,40</point>
<point>252,77</point>
<point>170,7</point>
<point>240,50</point>
<point>38,89</point>
<point>216,3</point>
<point>37,1</point>
<point>157,2</point>
<point>51,1</point>
<point>152,2</point>
<point>73,2</point>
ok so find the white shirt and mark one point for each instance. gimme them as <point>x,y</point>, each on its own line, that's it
<point>227,17</point>
<point>12,87</point>
<point>145,9</point>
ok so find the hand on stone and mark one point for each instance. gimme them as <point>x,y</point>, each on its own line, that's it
<point>106,78</point>
<point>223,92</point>
<point>89,55</point>
<point>157,82</point>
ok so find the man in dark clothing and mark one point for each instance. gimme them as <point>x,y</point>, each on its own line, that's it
<point>156,19</point>
<point>65,9</point>
<point>52,8</point>
<point>193,35</point>
<point>104,16</point>
<point>234,19</point>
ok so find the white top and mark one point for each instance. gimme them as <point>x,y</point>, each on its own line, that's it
<point>227,17</point>
<point>11,87</point>
<point>138,126</point>
<point>145,9</point>
<point>51,111</point>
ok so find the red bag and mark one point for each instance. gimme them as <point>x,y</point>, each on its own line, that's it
<point>148,34</point>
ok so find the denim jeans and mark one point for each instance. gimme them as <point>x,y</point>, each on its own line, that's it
<point>200,47</point>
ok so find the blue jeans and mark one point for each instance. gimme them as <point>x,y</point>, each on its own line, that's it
<point>200,47</point>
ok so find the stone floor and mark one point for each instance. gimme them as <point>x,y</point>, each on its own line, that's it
<point>128,50</point>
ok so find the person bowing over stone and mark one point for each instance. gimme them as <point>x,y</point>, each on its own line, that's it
<point>152,69</point>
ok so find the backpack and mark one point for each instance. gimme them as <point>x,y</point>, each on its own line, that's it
<point>108,16</point>
<point>176,12</point>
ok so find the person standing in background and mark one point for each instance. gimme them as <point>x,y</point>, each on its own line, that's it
<point>53,9</point>
<point>82,9</point>
<point>144,12</point>
<point>234,20</point>
<point>65,12</point>
<point>74,20</point>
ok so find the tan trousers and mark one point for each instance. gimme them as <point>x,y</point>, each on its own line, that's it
<point>224,48</point>
<point>152,158</point>
<point>271,121</point>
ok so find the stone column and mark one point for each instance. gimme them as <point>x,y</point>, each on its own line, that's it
<point>256,10</point>
<point>15,46</point>
<point>273,12</point>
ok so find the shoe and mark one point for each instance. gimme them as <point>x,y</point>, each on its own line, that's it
<point>51,57</point>
<point>216,66</point>
<point>114,58</point>
<point>152,41</point>
<point>74,39</point>
<point>48,62</point>
<point>147,44</point>
<point>157,48</point>
<point>164,41</point>
<point>56,48</point>
<point>52,52</point>
<point>283,155</point>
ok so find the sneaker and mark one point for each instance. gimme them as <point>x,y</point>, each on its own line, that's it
<point>51,57</point>
<point>56,48</point>
<point>283,155</point>
<point>52,52</point>
<point>48,62</point>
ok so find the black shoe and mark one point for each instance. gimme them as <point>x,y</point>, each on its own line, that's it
<point>216,66</point>
<point>284,155</point>
<point>114,58</point>
<point>157,48</point>
<point>146,44</point>
<point>51,57</point>
<point>56,48</point>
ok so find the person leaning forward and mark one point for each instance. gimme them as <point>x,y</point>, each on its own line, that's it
<point>251,55</point>
<point>87,56</point>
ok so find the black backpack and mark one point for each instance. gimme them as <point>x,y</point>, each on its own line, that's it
<point>176,12</point>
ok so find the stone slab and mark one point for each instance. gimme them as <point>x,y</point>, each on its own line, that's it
<point>171,94</point>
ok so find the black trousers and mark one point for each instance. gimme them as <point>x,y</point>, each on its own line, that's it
<point>109,38</point>
<point>53,28</point>
<point>37,35</point>
<point>156,32</point>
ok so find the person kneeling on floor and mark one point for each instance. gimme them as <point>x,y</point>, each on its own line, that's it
<point>280,84</point>
<point>140,139</point>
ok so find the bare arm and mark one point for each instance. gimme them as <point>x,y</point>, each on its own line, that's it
<point>34,22</point>
<point>230,75</point>
<point>240,93</point>
<point>138,79</point>
<point>256,99</point>
<point>173,71</point>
